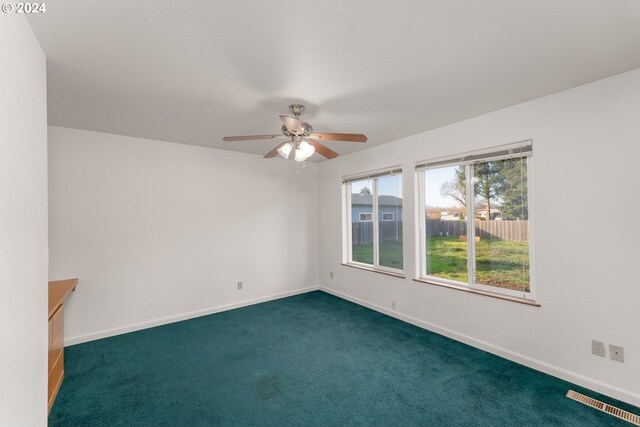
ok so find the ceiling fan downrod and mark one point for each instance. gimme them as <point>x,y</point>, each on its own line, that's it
<point>296,109</point>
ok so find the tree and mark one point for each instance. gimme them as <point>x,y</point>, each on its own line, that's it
<point>365,190</point>
<point>514,195</point>
<point>500,183</point>
<point>489,183</point>
<point>457,187</point>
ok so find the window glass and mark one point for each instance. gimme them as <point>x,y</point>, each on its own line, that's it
<point>501,224</point>
<point>390,225</point>
<point>445,225</point>
<point>362,229</point>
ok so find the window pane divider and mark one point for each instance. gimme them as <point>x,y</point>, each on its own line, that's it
<point>471,227</point>
<point>376,223</point>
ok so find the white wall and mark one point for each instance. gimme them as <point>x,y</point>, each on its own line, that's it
<point>159,231</point>
<point>586,195</point>
<point>23,225</point>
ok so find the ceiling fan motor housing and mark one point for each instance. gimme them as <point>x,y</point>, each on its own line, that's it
<point>306,130</point>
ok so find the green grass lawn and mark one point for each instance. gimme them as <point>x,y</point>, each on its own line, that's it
<point>500,263</point>
<point>390,254</point>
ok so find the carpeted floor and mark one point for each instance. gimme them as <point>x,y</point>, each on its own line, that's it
<point>307,360</point>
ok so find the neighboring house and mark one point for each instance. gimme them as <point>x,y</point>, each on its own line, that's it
<point>450,216</point>
<point>482,214</point>
<point>389,208</point>
<point>479,213</point>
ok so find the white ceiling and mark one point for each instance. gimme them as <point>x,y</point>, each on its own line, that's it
<point>195,71</point>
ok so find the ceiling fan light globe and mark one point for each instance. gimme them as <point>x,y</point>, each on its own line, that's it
<point>299,156</point>
<point>307,149</point>
<point>285,150</point>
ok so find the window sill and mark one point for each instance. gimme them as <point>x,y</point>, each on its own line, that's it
<point>362,267</point>
<point>479,292</point>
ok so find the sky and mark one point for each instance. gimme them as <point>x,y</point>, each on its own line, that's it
<point>387,185</point>
<point>433,182</point>
<point>392,185</point>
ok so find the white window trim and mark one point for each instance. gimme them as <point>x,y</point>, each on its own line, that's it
<point>421,273</point>
<point>347,253</point>
<point>365,220</point>
<point>347,215</point>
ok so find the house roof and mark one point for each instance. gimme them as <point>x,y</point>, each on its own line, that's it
<point>365,199</point>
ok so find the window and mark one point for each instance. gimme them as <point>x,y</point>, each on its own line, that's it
<point>366,217</point>
<point>475,220</point>
<point>373,221</point>
<point>388,216</point>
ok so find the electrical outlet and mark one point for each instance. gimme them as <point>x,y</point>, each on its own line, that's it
<point>597,348</point>
<point>331,275</point>
<point>239,285</point>
<point>393,305</point>
<point>616,353</point>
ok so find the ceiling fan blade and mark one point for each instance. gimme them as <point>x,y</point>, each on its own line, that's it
<point>251,137</point>
<point>292,124</point>
<point>274,152</point>
<point>351,137</point>
<point>322,150</point>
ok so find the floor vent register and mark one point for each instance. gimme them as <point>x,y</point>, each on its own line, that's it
<point>612,410</point>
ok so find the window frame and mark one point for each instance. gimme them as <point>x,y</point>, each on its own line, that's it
<point>421,259</point>
<point>347,222</point>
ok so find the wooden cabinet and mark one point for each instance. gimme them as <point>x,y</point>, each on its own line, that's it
<point>58,292</point>
<point>56,354</point>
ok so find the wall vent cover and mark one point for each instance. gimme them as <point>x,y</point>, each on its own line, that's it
<point>612,410</point>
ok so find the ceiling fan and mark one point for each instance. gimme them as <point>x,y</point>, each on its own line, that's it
<point>299,137</point>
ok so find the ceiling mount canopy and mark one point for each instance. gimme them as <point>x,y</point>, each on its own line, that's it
<point>299,138</point>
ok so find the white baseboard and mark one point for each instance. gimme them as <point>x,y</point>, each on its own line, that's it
<point>579,379</point>
<point>184,316</point>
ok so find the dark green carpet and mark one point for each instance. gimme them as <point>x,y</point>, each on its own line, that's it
<point>308,360</point>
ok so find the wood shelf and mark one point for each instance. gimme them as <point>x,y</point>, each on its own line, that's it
<point>58,292</point>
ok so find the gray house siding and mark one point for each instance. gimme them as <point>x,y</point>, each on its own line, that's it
<point>389,208</point>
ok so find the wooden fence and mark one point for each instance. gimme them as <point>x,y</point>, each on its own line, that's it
<point>518,230</point>
<point>362,232</point>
